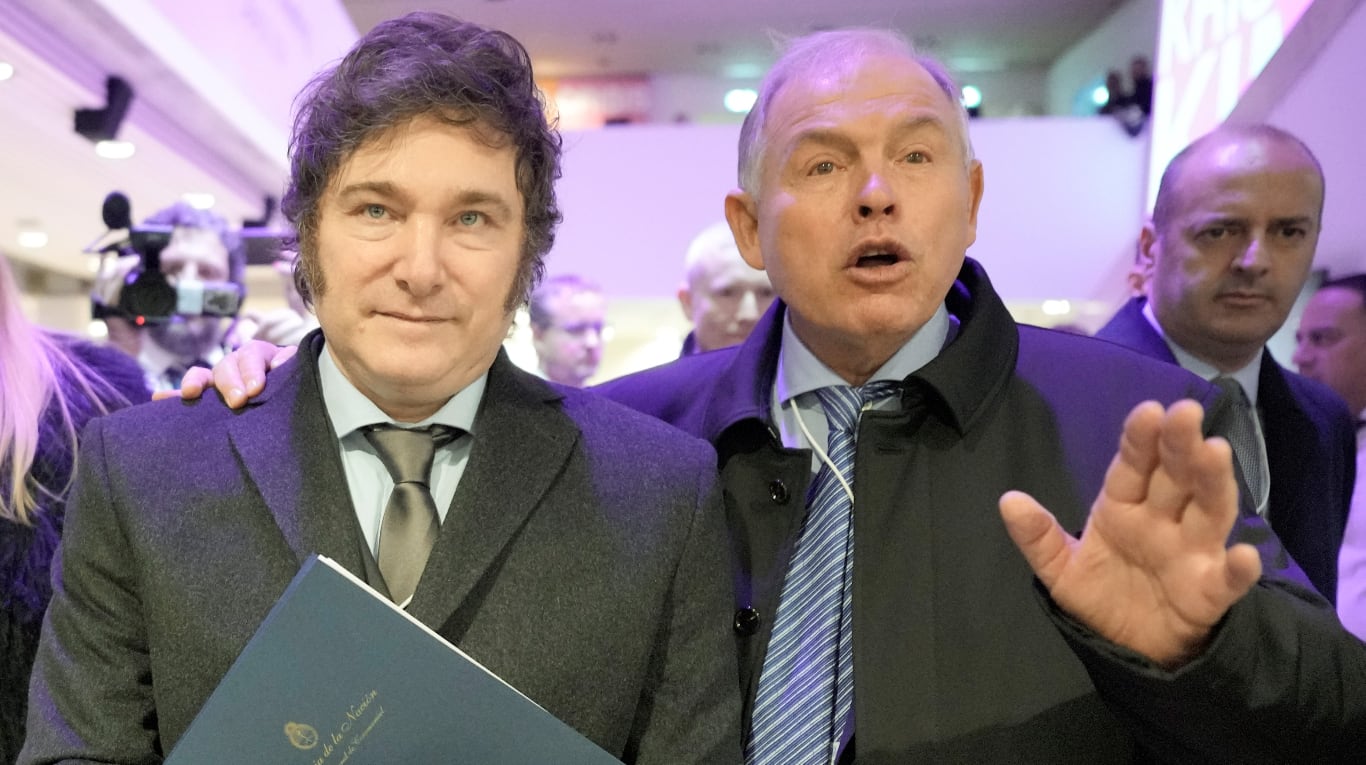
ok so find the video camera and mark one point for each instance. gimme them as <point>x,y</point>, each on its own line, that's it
<point>147,296</point>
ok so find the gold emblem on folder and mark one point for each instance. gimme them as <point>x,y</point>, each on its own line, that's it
<point>301,735</point>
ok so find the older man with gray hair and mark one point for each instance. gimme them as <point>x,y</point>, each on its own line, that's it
<point>722,294</point>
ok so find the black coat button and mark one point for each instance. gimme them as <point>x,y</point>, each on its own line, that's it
<point>746,622</point>
<point>777,491</point>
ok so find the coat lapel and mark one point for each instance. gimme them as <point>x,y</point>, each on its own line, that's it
<point>289,451</point>
<point>521,444</point>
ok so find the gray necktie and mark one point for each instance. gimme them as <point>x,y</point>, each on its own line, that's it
<point>411,523</point>
<point>1246,444</point>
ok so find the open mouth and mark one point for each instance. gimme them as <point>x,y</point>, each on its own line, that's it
<point>876,259</point>
<point>876,254</point>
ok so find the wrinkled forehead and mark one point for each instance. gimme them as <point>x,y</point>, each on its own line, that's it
<point>885,85</point>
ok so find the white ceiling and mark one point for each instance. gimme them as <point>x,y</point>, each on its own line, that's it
<point>574,38</point>
<point>196,132</point>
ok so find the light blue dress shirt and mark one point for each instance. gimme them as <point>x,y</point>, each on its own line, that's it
<point>800,374</point>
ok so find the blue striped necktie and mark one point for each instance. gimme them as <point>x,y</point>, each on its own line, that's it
<point>806,688</point>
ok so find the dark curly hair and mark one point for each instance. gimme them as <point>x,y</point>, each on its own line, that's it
<point>424,65</point>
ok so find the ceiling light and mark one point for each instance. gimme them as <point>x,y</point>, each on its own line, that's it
<point>115,149</point>
<point>6,70</point>
<point>972,97</point>
<point>1100,96</point>
<point>740,100</point>
<point>198,200</point>
<point>1057,307</point>
<point>32,239</point>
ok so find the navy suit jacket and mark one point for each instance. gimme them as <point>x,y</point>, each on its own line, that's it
<point>581,560</point>
<point>1310,449</point>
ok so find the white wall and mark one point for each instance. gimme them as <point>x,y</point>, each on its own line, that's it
<point>1326,107</point>
<point>1131,30</point>
<point>1059,216</point>
<point>1011,93</point>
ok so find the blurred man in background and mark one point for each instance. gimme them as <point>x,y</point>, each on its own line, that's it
<point>722,294</point>
<point>1330,347</point>
<point>568,313</point>
<point>203,248</point>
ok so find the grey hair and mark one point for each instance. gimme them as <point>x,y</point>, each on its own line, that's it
<point>827,51</point>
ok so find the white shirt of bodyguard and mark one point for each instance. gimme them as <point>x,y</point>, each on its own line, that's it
<point>800,374</point>
<point>367,478</point>
<point>1352,557</point>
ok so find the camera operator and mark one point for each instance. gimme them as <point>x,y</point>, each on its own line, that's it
<point>203,248</point>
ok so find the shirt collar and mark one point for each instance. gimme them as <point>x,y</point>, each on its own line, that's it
<point>1249,376</point>
<point>349,409</point>
<point>799,371</point>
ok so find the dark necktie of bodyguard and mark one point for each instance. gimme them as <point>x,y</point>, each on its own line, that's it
<point>806,687</point>
<point>1243,439</point>
<point>411,523</point>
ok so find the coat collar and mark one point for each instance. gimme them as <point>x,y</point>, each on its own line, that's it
<point>1130,328</point>
<point>288,448</point>
<point>523,441</point>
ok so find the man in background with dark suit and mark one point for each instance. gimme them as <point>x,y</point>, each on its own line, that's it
<point>580,552</point>
<point>1227,251</point>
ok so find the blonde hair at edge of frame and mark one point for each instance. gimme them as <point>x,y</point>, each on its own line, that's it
<point>35,373</point>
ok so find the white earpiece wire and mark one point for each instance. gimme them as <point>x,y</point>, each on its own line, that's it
<point>820,451</point>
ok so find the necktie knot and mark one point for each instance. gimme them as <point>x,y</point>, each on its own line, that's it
<point>843,403</point>
<point>407,453</point>
<point>1233,389</point>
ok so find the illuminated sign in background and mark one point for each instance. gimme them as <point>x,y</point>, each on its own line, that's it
<point>1208,52</point>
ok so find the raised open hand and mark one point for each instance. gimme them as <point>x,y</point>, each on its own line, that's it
<point>1151,571</point>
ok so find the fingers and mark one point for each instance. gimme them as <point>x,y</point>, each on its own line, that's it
<point>194,382</point>
<point>1197,474</point>
<point>1131,470</point>
<point>1033,529</point>
<point>158,395</point>
<point>240,373</point>
<point>1244,569</point>
<point>282,354</point>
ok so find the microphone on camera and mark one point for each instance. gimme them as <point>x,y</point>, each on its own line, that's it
<point>116,211</point>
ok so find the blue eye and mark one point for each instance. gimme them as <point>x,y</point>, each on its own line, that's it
<point>471,218</point>
<point>375,211</point>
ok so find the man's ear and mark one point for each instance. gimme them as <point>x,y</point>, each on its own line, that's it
<point>976,185</point>
<point>742,213</point>
<point>1148,246</point>
<point>685,300</point>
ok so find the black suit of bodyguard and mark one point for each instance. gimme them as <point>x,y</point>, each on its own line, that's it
<point>1310,450</point>
<point>955,659</point>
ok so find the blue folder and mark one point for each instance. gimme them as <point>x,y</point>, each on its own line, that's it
<point>339,675</point>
